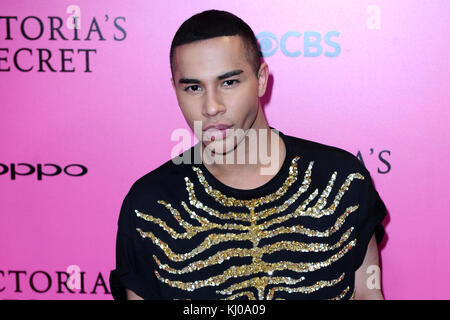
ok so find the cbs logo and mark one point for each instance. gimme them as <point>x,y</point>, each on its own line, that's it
<point>312,44</point>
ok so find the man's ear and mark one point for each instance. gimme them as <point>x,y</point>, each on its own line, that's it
<point>173,83</point>
<point>263,77</point>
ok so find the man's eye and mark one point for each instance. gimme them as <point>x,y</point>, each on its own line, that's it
<point>192,88</point>
<point>230,82</point>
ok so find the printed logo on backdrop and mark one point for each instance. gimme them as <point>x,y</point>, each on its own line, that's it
<point>73,281</point>
<point>383,166</point>
<point>69,28</point>
<point>295,44</point>
<point>311,43</point>
<point>13,170</point>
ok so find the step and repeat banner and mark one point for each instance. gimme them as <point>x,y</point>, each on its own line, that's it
<point>87,107</point>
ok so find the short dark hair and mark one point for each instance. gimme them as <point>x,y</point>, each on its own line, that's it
<point>215,23</point>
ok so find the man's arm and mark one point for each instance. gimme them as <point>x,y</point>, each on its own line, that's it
<point>132,296</point>
<point>363,291</point>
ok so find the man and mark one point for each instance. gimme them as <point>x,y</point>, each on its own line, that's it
<point>300,220</point>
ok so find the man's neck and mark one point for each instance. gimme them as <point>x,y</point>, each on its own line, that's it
<point>244,172</point>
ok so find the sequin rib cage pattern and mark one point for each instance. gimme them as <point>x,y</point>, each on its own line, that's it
<point>255,226</point>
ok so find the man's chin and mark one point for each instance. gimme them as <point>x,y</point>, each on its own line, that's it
<point>218,147</point>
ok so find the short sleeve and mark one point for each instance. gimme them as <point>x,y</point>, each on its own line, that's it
<point>133,269</point>
<point>369,219</point>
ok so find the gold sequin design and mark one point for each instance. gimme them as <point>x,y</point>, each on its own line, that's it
<point>261,283</point>
<point>248,294</point>
<point>315,211</point>
<point>353,296</point>
<point>254,268</point>
<point>227,254</point>
<point>264,213</point>
<point>253,232</point>
<point>231,201</point>
<point>214,238</point>
<point>342,294</point>
<point>307,289</point>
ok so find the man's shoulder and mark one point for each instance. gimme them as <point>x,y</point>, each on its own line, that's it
<point>330,161</point>
<point>168,176</point>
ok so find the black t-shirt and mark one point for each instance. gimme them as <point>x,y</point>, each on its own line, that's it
<point>183,234</point>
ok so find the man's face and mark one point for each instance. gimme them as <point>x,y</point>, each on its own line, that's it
<point>216,85</point>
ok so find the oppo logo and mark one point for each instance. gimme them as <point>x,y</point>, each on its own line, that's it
<point>41,170</point>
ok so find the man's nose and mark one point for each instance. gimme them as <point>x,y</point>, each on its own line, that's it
<point>213,103</point>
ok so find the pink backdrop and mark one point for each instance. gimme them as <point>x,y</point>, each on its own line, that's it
<point>384,96</point>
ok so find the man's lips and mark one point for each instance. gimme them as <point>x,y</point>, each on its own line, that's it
<point>214,132</point>
<point>217,126</point>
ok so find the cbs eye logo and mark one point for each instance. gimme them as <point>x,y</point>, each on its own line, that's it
<point>311,42</point>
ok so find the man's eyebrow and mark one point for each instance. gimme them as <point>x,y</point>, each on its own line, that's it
<point>229,74</point>
<point>187,80</point>
<point>221,77</point>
